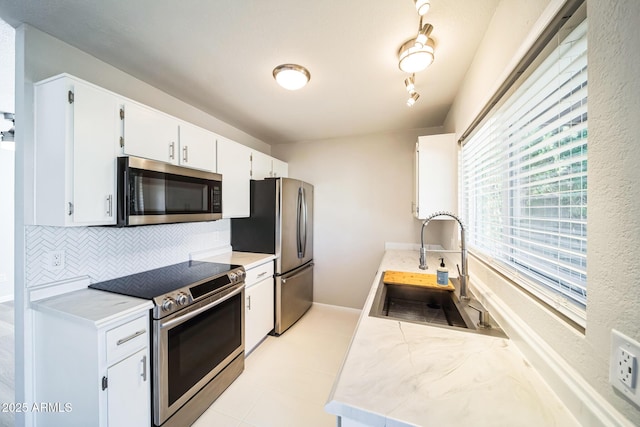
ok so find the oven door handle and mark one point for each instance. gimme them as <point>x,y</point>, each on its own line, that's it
<point>190,315</point>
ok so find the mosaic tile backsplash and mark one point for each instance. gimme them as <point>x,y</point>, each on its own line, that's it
<point>103,253</point>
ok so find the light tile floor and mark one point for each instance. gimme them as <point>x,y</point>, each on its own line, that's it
<point>287,379</point>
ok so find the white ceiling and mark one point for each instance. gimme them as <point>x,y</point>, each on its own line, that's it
<point>218,55</point>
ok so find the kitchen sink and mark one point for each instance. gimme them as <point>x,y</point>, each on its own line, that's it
<point>430,306</point>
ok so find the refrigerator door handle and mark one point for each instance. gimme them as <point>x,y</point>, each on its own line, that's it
<point>303,243</point>
<point>299,223</point>
<point>297,273</point>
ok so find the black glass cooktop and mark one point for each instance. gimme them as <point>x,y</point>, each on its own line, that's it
<point>155,283</point>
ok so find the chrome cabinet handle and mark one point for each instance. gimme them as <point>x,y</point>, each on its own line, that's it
<point>172,150</point>
<point>110,205</point>
<point>130,337</point>
<point>249,303</point>
<point>185,154</point>
<point>262,274</point>
<point>144,368</point>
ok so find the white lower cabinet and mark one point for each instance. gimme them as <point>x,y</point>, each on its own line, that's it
<point>128,401</point>
<point>259,304</point>
<point>98,373</point>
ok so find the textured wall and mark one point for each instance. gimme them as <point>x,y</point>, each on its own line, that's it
<point>614,195</point>
<point>103,253</point>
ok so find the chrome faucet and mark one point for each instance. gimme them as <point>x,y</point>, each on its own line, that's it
<point>464,274</point>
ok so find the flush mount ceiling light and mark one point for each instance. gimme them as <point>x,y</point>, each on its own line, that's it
<point>291,76</point>
<point>422,6</point>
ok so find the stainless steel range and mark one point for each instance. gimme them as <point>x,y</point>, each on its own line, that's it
<point>198,334</point>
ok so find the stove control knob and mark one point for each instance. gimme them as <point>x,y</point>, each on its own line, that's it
<point>167,304</point>
<point>182,299</point>
<point>233,277</point>
<point>241,274</point>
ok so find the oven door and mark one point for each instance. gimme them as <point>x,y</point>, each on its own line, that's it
<point>192,346</point>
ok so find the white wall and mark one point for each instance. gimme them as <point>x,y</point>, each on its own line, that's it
<point>363,192</point>
<point>614,194</point>
<point>7,170</point>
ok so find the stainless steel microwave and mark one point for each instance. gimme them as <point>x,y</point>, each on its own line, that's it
<point>151,192</point>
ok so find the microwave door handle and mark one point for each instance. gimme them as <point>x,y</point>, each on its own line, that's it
<point>192,314</point>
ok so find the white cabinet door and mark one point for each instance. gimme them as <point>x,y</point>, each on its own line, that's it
<point>76,132</point>
<point>259,312</point>
<point>234,163</point>
<point>280,169</point>
<point>197,147</point>
<point>128,392</point>
<point>436,175</point>
<point>95,132</point>
<point>260,165</point>
<point>150,134</point>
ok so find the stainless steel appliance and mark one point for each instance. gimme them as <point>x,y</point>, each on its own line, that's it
<point>151,192</point>
<point>198,334</point>
<point>281,223</point>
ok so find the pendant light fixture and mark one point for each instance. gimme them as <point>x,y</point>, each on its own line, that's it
<point>422,6</point>
<point>417,54</point>
<point>291,76</point>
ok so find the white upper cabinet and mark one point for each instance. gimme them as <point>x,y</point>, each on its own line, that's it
<point>197,147</point>
<point>260,165</point>
<point>279,169</point>
<point>154,135</point>
<point>76,132</point>
<point>149,133</point>
<point>234,163</point>
<point>264,166</point>
<point>436,175</point>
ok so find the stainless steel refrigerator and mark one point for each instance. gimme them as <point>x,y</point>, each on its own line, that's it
<point>281,223</point>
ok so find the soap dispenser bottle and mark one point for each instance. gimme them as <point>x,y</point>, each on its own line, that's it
<point>442,274</point>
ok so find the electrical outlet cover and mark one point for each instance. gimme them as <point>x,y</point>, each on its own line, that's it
<point>627,367</point>
<point>623,365</point>
<point>55,260</point>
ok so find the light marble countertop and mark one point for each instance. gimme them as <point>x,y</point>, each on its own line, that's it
<point>248,260</point>
<point>92,306</point>
<point>102,308</point>
<point>404,374</point>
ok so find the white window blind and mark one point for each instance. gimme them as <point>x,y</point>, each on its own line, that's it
<point>524,180</point>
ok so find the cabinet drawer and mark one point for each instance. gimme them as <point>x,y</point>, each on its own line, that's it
<point>127,339</point>
<point>259,273</point>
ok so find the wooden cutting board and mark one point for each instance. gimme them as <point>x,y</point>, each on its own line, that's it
<point>415,279</point>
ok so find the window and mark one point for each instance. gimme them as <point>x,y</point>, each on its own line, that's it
<point>524,180</point>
